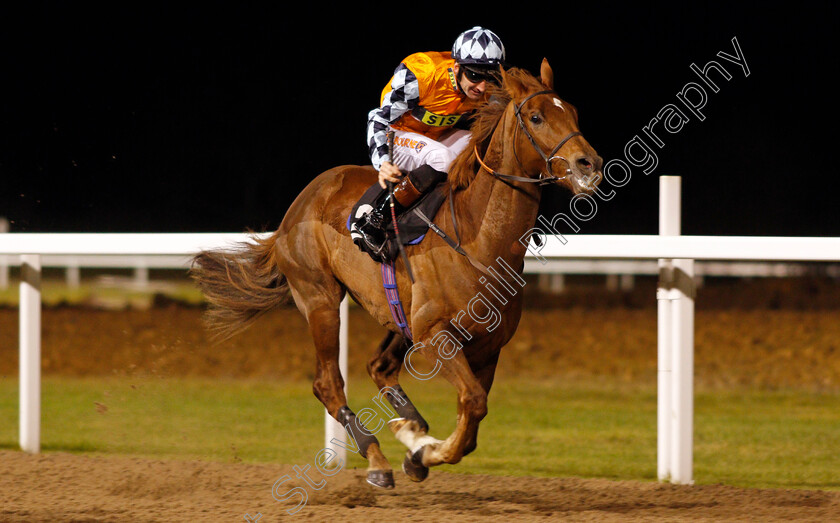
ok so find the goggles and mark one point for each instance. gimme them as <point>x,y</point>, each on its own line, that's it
<point>477,76</point>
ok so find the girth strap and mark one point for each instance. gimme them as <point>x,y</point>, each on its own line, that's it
<point>389,282</point>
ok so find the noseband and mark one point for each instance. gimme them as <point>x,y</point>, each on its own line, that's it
<point>548,176</point>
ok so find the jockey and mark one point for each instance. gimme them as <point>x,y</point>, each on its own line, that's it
<point>427,104</point>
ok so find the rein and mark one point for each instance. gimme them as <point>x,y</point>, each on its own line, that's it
<point>388,271</point>
<point>542,180</point>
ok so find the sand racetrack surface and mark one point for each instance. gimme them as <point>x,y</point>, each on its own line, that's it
<point>63,487</point>
<point>794,336</point>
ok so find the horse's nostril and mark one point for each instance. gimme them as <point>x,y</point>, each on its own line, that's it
<point>584,164</point>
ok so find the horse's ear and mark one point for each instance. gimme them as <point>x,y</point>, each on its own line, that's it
<point>546,74</point>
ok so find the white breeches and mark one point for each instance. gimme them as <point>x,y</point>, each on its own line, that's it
<point>411,150</point>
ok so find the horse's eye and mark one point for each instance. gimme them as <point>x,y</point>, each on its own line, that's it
<point>535,119</point>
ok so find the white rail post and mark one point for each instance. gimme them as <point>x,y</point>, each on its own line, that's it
<point>30,353</point>
<point>4,261</point>
<point>141,273</point>
<point>332,428</point>
<point>663,380</point>
<point>73,273</point>
<point>675,380</point>
<point>682,375</point>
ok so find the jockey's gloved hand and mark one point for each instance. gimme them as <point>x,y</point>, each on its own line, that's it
<point>389,172</point>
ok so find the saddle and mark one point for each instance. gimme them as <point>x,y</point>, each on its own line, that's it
<point>411,226</point>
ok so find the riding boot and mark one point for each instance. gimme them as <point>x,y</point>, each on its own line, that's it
<point>405,194</point>
<point>372,227</point>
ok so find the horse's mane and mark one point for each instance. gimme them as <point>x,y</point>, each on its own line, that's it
<point>487,117</point>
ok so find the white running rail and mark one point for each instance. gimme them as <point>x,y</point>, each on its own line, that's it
<point>675,255</point>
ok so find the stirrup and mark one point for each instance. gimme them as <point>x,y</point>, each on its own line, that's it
<point>375,246</point>
<point>375,219</point>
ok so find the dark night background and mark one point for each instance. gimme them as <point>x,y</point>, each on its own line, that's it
<point>136,117</point>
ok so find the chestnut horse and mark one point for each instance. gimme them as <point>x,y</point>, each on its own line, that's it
<point>523,137</point>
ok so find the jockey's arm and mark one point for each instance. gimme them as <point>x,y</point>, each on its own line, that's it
<point>402,97</point>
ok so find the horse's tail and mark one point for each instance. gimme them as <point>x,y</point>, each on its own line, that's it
<point>240,284</point>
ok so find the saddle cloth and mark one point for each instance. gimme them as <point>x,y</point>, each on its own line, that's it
<point>412,228</point>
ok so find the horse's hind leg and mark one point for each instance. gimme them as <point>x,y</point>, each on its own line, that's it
<point>384,368</point>
<point>329,389</point>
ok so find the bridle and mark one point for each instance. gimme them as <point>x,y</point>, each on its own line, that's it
<point>542,180</point>
<point>546,177</point>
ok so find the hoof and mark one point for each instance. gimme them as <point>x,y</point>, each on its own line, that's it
<point>381,478</point>
<point>413,466</point>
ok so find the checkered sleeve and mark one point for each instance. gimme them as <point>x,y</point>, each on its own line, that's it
<point>403,97</point>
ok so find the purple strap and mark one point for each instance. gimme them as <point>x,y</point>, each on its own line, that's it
<point>389,281</point>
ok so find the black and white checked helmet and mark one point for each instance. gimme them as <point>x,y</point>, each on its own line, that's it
<point>478,46</point>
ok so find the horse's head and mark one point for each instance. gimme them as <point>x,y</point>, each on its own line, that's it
<point>547,141</point>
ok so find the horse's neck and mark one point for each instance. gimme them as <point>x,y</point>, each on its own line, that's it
<point>499,214</point>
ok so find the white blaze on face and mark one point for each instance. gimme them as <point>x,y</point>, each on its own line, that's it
<point>559,104</point>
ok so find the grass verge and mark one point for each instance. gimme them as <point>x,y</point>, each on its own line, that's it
<point>746,437</point>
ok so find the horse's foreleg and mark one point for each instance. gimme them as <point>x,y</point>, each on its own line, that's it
<point>329,389</point>
<point>485,377</point>
<point>472,408</point>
